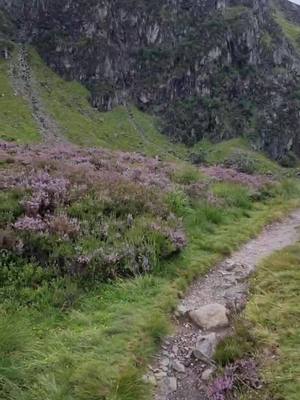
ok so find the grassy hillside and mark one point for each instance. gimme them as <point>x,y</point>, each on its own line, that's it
<point>122,129</point>
<point>125,129</point>
<point>235,153</point>
<point>68,104</point>
<point>16,121</point>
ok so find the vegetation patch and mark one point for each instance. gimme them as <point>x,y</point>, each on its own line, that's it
<point>16,126</point>
<point>291,30</point>
<point>96,247</point>
<point>124,128</point>
<point>237,154</point>
<point>264,336</point>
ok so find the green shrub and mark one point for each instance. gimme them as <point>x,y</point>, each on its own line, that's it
<point>233,195</point>
<point>178,202</point>
<point>199,156</point>
<point>186,175</point>
<point>241,161</point>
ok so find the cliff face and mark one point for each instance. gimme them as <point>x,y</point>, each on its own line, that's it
<point>209,68</point>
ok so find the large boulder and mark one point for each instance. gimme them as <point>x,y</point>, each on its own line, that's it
<point>210,316</point>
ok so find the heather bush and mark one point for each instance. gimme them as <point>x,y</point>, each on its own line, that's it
<point>88,213</point>
<point>30,283</point>
<point>238,376</point>
<point>254,182</point>
<point>10,207</point>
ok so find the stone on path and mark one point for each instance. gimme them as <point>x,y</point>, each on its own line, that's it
<point>211,316</point>
<point>172,384</point>
<point>178,367</point>
<point>205,347</point>
<point>206,375</point>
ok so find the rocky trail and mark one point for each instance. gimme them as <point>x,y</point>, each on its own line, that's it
<point>183,367</point>
<point>24,85</point>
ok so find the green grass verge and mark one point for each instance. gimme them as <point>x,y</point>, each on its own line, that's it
<point>99,348</point>
<point>275,314</point>
<point>270,328</point>
<point>16,121</point>
<point>120,129</point>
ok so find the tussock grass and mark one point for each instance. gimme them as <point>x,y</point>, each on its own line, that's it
<point>275,314</point>
<point>269,329</point>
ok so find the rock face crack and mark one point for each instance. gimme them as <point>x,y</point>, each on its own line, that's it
<point>24,84</point>
<point>203,316</point>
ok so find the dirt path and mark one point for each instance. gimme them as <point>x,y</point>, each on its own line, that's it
<point>184,365</point>
<point>24,85</point>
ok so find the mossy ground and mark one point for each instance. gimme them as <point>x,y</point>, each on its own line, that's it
<point>291,31</point>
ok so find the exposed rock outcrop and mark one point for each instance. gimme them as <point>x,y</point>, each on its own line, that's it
<point>210,68</point>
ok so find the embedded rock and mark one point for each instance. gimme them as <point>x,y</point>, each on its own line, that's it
<point>206,375</point>
<point>205,347</point>
<point>178,367</point>
<point>172,384</point>
<point>210,316</point>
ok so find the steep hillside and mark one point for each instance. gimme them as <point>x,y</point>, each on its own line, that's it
<point>50,108</point>
<point>209,69</point>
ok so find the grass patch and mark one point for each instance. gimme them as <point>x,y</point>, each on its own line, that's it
<point>269,330</point>
<point>17,123</point>
<point>236,347</point>
<point>233,195</point>
<point>235,153</point>
<point>186,174</point>
<point>274,313</point>
<point>291,31</point>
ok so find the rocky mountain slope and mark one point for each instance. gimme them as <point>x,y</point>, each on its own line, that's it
<point>212,69</point>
